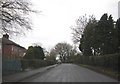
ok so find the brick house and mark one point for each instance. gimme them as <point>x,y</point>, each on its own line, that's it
<point>11,50</point>
<point>11,55</point>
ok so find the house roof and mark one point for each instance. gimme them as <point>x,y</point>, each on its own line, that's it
<point>6,41</point>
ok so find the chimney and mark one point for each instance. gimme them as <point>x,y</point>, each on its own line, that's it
<point>6,36</point>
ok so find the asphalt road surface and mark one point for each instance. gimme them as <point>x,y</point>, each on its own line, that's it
<point>69,73</point>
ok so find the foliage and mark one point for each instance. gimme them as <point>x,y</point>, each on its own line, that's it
<point>79,28</point>
<point>87,38</point>
<point>118,33</point>
<point>51,58</point>
<point>14,16</point>
<point>75,59</point>
<point>99,43</point>
<point>98,37</point>
<point>34,58</point>
<point>52,55</point>
<point>64,50</point>
<point>105,34</point>
<point>108,61</point>
<point>35,63</point>
<point>35,52</point>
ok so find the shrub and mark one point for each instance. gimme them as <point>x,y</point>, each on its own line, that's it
<point>107,61</point>
<point>35,63</point>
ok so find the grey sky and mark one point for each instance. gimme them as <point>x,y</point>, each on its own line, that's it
<point>52,25</point>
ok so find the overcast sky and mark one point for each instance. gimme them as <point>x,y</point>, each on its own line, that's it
<point>52,25</point>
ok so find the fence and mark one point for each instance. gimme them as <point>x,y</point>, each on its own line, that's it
<point>11,66</point>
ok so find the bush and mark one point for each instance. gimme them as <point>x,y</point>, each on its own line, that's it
<point>35,63</point>
<point>107,61</point>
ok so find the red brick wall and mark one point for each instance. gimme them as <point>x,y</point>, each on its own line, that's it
<point>13,52</point>
<point>6,51</point>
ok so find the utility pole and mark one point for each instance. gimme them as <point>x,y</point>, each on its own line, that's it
<point>119,9</point>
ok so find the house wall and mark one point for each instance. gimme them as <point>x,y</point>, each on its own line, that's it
<point>11,62</point>
<point>6,51</point>
<point>13,52</point>
<point>22,52</point>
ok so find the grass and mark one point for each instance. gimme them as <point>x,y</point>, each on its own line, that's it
<point>108,72</point>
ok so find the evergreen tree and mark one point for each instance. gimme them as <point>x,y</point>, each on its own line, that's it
<point>118,34</point>
<point>100,37</point>
<point>39,54</point>
<point>35,52</point>
<point>87,39</point>
<point>30,53</point>
<point>105,34</point>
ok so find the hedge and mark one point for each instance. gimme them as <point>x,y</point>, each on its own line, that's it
<point>107,61</point>
<point>35,63</point>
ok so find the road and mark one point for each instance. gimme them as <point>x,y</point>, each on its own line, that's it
<point>69,73</point>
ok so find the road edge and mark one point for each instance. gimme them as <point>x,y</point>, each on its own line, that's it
<point>99,71</point>
<point>47,68</point>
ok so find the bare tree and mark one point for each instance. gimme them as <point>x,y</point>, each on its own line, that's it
<point>78,29</point>
<point>14,16</point>
<point>51,55</point>
<point>64,50</point>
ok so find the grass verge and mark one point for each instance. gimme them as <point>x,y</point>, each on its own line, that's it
<point>104,71</point>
